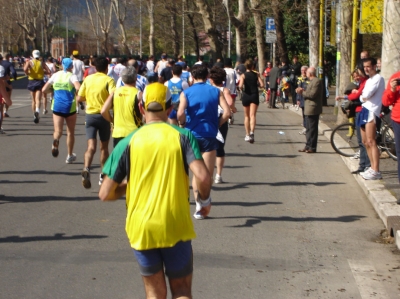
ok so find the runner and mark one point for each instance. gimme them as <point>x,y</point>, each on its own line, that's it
<point>35,70</point>
<point>150,64</point>
<point>4,97</point>
<point>141,81</point>
<point>78,70</point>
<point>65,85</point>
<point>186,76</point>
<point>10,73</point>
<point>94,91</point>
<point>217,78</point>
<point>198,112</point>
<point>52,69</point>
<point>155,160</point>
<point>249,83</point>
<point>161,64</point>
<point>230,83</point>
<point>175,86</point>
<point>125,104</point>
<point>115,71</point>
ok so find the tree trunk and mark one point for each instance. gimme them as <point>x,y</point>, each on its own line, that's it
<point>282,52</point>
<point>239,21</point>
<point>313,31</point>
<point>391,40</point>
<point>176,38</point>
<point>120,12</point>
<point>210,29</point>
<point>195,35</point>
<point>151,20</point>
<point>345,50</point>
<point>258,22</point>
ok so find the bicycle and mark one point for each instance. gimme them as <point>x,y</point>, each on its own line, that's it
<point>345,142</point>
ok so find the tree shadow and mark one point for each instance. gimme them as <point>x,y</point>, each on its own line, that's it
<point>253,220</point>
<point>242,203</point>
<point>44,172</point>
<point>29,199</point>
<point>21,182</point>
<point>248,155</point>
<point>220,187</point>
<point>56,237</point>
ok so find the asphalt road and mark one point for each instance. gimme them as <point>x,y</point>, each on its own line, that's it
<point>284,225</point>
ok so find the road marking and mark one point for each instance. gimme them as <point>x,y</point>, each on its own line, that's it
<point>367,280</point>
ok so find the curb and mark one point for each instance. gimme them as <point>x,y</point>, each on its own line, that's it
<point>384,203</point>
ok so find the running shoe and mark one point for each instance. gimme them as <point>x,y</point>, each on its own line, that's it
<point>303,132</point>
<point>6,114</point>
<point>2,131</point>
<point>197,215</point>
<point>218,179</point>
<point>86,178</point>
<point>297,107</point>
<point>45,111</point>
<point>251,138</point>
<point>54,148</point>
<point>36,117</point>
<point>372,175</point>
<point>70,159</point>
<point>101,177</point>
<point>367,169</point>
<point>247,138</point>
<point>81,106</point>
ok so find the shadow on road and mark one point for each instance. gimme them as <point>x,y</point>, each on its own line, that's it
<point>248,155</point>
<point>277,184</point>
<point>243,203</point>
<point>56,237</point>
<point>26,199</point>
<point>256,220</point>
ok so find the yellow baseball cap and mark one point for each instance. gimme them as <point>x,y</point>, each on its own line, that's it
<point>156,97</point>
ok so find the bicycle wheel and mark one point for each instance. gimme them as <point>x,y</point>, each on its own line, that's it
<point>342,143</point>
<point>388,142</point>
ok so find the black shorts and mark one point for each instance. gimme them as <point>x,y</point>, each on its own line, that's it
<point>35,85</point>
<point>96,123</point>
<point>221,146</point>
<point>248,99</point>
<point>65,115</point>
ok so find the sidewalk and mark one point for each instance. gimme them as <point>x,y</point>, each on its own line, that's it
<point>382,194</point>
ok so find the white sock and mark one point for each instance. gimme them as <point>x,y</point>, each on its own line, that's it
<point>37,110</point>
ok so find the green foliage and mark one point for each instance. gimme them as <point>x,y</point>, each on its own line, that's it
<point>295,26</point>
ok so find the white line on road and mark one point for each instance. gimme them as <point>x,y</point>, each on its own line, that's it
<point>367,280</point>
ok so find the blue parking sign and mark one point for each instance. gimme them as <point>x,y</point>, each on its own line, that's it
<point>270,24</point>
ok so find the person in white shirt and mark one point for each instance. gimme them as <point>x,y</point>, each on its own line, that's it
<point>161,64</point>
<point>141,81</point>
<point>115,71</point>
<point>150,64</point>
<point>78,69</point>
<point>371,108</point>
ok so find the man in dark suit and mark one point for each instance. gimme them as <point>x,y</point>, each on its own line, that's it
<point>273,84</point>
<point>312,109</point>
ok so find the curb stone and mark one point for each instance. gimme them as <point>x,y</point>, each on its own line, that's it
<point>384,203</point>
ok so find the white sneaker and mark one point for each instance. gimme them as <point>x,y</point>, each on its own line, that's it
<point>2,131</point>
<point>101,176</point>
<point>70,159</point>
<point>303,132</point>
<point>372,175</point>
<point>218,179</point>
<point>297,107</point>
<point>247,138</point>
<point>368,169</point>
<point>197,214</point>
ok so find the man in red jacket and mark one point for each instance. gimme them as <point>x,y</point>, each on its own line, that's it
<point>391,97</point>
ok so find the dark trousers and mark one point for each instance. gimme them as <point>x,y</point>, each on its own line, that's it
<point>396,129</point>
<point>272,98</point>
<point>312,132</point>
<point>364,160</point>
<point>293,93</point>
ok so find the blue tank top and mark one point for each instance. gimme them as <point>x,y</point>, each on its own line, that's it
<point>175,90</point>
<point>185,76</point>
<point>202,110</point>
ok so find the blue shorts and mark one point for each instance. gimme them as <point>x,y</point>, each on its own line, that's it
<point>177,260</point>
<point>207,144</point>
<point>173,115</point>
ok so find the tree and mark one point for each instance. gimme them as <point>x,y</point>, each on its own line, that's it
<point>280,33</point>
<point>239,21</point>
<point>104,17</point>
<point>119,7</point>
<point>313,31</point>
<point>258,22</point>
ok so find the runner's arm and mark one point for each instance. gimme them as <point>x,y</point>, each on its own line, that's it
<point>260,81</point>
<point>27,67</point>
<point>105,111</point>
<point>241,82</point>
<point>110,190</point>
<point>181,110</point>
<point>47,86</point>
<point>227,111</point>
